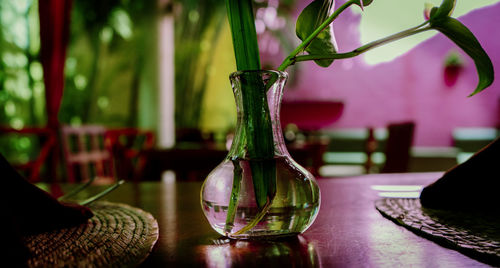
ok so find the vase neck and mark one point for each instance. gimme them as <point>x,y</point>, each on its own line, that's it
<point>258,96</point>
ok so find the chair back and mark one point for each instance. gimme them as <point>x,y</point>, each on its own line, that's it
<point>397,151</point>
<point>86,154</point>
<point>127,146</point>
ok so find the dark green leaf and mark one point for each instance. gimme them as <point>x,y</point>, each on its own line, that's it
<point>241,20</point>
<point>259,135</point>
<point>258,131</point>
<point>466,40</point>
<point>365,2</point>
<point>444,10</point>
<point>433,12</point>
<point>311,18</point>
<point>233,203</point>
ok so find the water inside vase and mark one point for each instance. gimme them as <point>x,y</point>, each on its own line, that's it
<point>293,208</point>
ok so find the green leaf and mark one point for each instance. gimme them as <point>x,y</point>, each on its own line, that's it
<point>258,131</point>
<point>365,2</point>
<point>259,135</point>
<point>444,10</point>
<point>233,203</point>
<point>311,18</point>
<point>433,12</point>
<point>466,40</point>
<point>242,23</point>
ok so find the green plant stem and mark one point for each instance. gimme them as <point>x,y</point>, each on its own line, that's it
<point>101,194</point>
<point>258,130</point>
<point>260,143</point>
<point>290,59</point>
<point>414,30</point>
<point>293,58</point>
<point>233,203</point>
<point>257,218</point>
<point>361,49</point>
<point>76,190</point>
<point>357,51</point>
<point>242,23</point>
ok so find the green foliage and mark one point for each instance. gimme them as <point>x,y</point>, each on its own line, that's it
<point>308,21</point>
<point>96,13</point>
<point>441,21</point>
<point>365,2</point>
<point>259,136</point>
<point>241,20</point>
<point>444,10</point>
<point>466,40</point>
<point>21,77</point>
<point>197,28</point>
<point>103,79</point>
<point>258,131</point>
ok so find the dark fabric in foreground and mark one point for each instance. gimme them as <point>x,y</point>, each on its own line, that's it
<point>471,186</point>
<point>26,209</point>
<point>34,210</point>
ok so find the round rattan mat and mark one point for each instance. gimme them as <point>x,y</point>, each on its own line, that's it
<point>117,236</point>
<point>474,234</point>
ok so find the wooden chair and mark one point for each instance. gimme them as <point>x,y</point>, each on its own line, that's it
<point>86,154</point>
<point>309,154</point>
<point>397,150</point>
<point>127,145</point>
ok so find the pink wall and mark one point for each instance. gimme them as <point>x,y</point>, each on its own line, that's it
<point>409,88</point>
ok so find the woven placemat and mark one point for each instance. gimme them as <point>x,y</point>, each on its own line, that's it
<point>117,236</point>
<point>474,234</point>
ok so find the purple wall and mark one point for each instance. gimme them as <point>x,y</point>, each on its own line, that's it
<point>409,88</point>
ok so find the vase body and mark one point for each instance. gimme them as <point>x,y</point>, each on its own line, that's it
<point>259,191</point>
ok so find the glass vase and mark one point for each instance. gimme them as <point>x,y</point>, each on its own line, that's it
<point>259,191</point>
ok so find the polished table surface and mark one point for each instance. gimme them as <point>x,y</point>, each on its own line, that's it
<point>348,232</point>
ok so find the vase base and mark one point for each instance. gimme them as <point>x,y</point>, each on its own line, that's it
<point>277,222</point>
<point>264,236</point>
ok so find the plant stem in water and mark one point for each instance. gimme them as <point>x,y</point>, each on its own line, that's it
<point>233,203</point>
<point>258,129</point>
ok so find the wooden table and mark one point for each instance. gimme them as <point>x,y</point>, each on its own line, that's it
<point>349,231</point>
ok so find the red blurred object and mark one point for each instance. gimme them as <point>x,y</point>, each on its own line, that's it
<point>54,35</point>
<point>127,145</point>
<point>453,66</point>
<point>451,73</point>
<point>311,115</point>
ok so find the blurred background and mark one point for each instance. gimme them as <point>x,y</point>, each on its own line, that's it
<point>151,77</point>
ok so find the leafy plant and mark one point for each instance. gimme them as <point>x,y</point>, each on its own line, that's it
<point>198,25</point>
<point>318,44</point>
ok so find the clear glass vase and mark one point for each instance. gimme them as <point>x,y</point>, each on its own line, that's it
<point>259,191</point>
